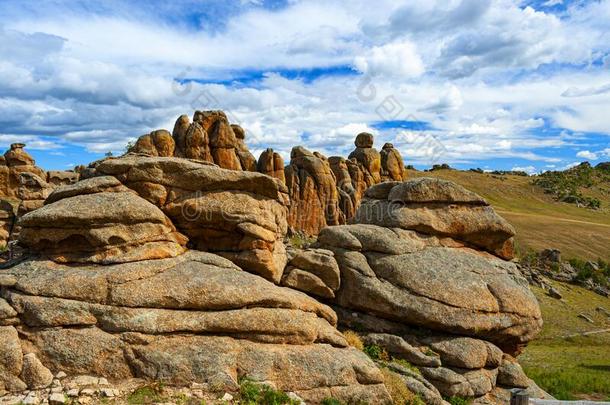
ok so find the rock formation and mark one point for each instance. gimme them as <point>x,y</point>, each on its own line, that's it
<point>271,164</point>
<point>392,166</point>
<point>368,158</point>
<point>418,279</point>
<point>209,138</point>
<point>161,265</point>
<point>15,162</point>
<point>314,198</point>
<point>193,318</point>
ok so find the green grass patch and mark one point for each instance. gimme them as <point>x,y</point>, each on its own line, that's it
<point>144,395</point>
<point>252,393</point>
<point>457,400</point>
<point>562,361</point>
<point>376,352</point>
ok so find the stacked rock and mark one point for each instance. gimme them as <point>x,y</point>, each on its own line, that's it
<point>368,157</point>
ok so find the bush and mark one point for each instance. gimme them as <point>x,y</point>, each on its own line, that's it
<point>457,400</point>
<point>404,363</point>
<point>376,352</point>
<point>353,339</point>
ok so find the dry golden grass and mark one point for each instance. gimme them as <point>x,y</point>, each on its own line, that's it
<point>398,390</point>
<point>540,221</point>
<point>353,339</point>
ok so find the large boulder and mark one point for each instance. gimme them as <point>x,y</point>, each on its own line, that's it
<point>239,215</point>
<point>195,318</point>
<point>271,164</point>
<point>157,143</point>
<point>417,279</point>
<point>313,192</point>
<point>441,208</point>
<point>103,227</point>
<point>15,162</point>
<point>392,165</point>
<point>7,219</point>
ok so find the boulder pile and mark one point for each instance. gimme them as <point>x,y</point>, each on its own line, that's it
<point>163,266</point>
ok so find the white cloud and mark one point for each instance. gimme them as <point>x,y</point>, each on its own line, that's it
<point>587,155</point>
<point>526,169</point>
<point>467,68</point>
<point>393,59</point>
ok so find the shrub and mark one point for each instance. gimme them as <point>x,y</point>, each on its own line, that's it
<point>353,339</point>
<point>376,352</point>
<point>457,400</point>
<point>144,395</point>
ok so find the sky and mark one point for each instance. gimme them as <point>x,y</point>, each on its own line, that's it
<point>494,84</point>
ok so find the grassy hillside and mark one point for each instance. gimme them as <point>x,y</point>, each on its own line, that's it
<point>562,360</point>
<point>541,221</point>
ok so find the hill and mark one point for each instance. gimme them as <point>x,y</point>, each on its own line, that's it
<point>539,219</point>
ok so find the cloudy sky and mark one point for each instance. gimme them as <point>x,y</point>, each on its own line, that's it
<point>474,83</point>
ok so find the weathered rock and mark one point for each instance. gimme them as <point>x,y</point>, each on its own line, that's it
<point>441,208</point>
<point>157,143</point>
<point>34,374</point>
<point>307,282</point>
<point>349,191</point>
<point>271,164</point>
<point>511,374</point>
<point>461,383</point>
<point>102,184</point>
<point>368,158</point>
<point>14,162</point>
<point>103,227</point>
<point>11,359</point>
<point>7,219</point>
<point>193,318</point>
<point>465,352</point>
<point>414,279</point>
<point>240,215</point>
<point>60,178</point>
<point>313,192</point>
<point>392,166</point>
<point>399,348</point>
<point>246,159</point>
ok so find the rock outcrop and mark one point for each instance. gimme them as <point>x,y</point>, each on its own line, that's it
<point>423,275</point>
<point>271,164</point>
<point>239,215</point>
<point>16,161</point>
<point>368,158</point>
<point>314,198</point>
<point>209,138</point>
<point>392,165</point>
<point>7,219</point>
<point>193,318</point>
<point>440,208</point>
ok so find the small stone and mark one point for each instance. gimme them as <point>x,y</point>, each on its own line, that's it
<point>56,383</point>
<point>57,399</point>
<point>83,380</point>
<point>85,400</point>
<point>102,381</point>
<point>553,292</point>
<point>73,392</point>
<point>34,373</point>
<point>197,393</point>
<point>586,318</point>
<point>295,398</point>
<point>227,397</point>
<point>88,392</point>
<point>197,386</point>
<point>61,375</point>
<point>56,390</point>
<point>31,399</point>
<point>13,400</point>
<point>107,392</point>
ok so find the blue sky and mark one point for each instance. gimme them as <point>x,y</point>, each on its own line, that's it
<point>499,84</point>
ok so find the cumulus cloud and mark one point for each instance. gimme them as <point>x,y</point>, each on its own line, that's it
<point>526,169</point>
<point>393,59</point>
<point>487,77</point>
<point>587,155</point>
